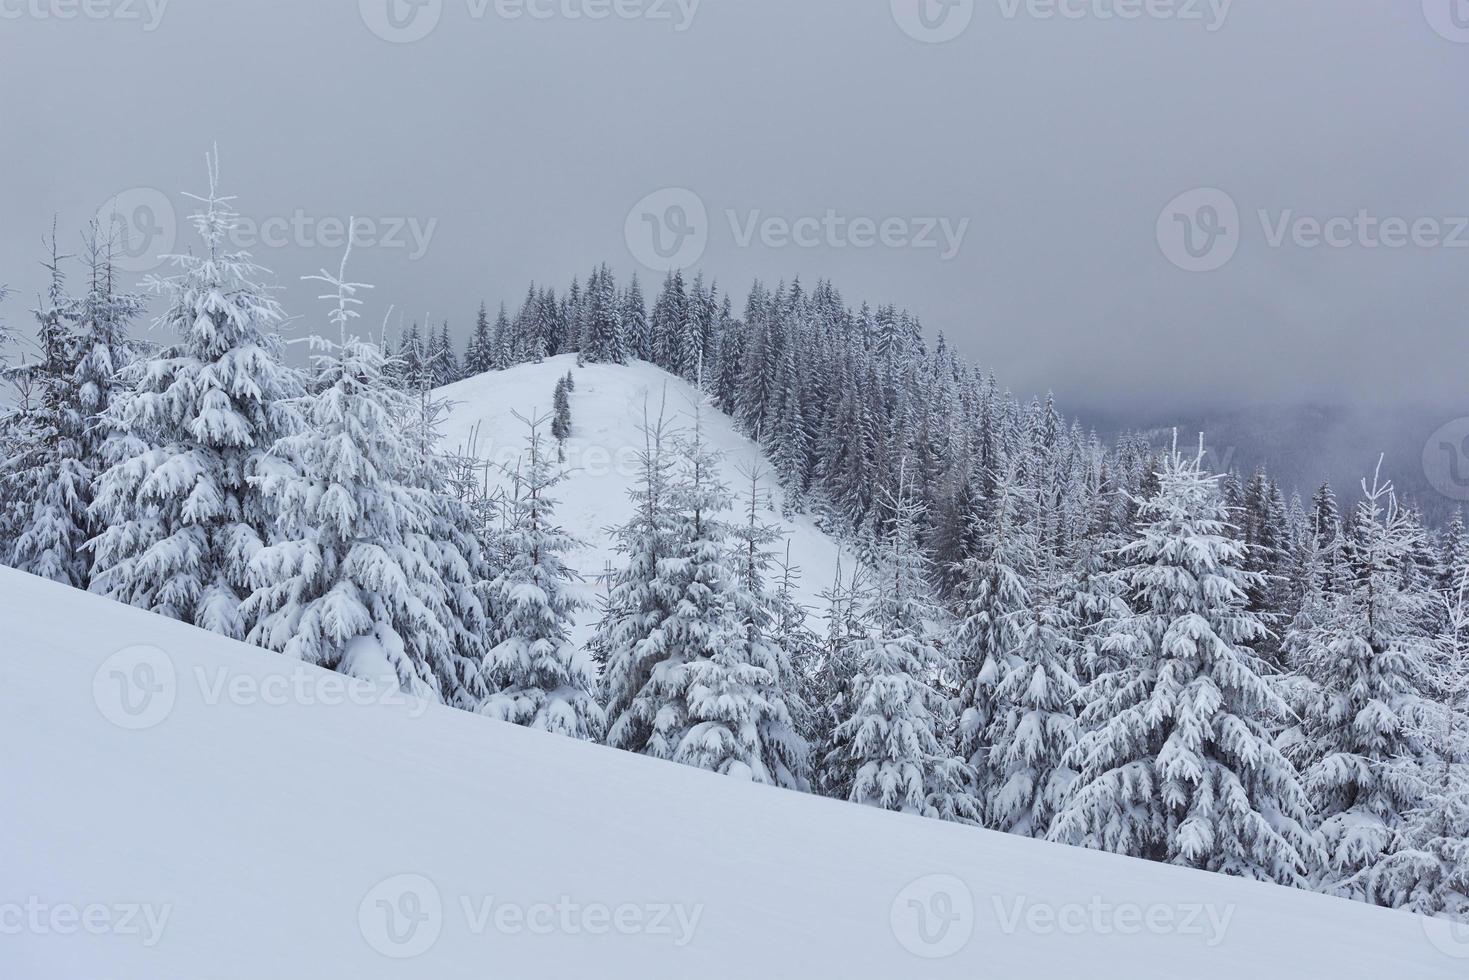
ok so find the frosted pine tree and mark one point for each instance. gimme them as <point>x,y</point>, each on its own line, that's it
<point>75,384</point>
<point>445,361</point>
<point>1177,764</point>
<point>984,644</point>
<point>1428,871</point>
<point>740,698</point>
<point>1361,732</point>
<point>640,600</point>
<point>561,404</point>
<point>539,678</point>
<point>357,579</point>
<point>826,683</point>
<point>479,357</point>
<point>635,331</point>
<point>104,316</point>
<point>891,750</point>
<point>712,692</point>
<point>1034,727</point>
<point>45,476</point>
<point>603,341</point>
<point>183,518</point>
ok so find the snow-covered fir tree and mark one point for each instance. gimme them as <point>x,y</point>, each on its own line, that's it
<point>538,678</point>
<point>561,408</point>
<point>1428,869</point>
<point>45,476</point>
<point>603,341</point>
<point>479,357</point>
<point>1177,763</point>
<point>1368,662</point>
<point>357,579</point>
<point>445,362</point>
<point>891,750</point>
<point>984,645</point>
<point>1033,726</point>
<point>746,689</point>
<point>632,637</point>
<point>183,517</point>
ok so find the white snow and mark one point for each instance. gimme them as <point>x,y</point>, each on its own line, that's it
<point>177,805</point>
<point>601,455</point>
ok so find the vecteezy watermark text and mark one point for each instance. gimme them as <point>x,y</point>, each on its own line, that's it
<point>143,225</point>
<point>41,918</point>
<point>137,688</point>
<point>671,228</point>
<point>1099,917</point>
<point>404,916</point>
<point>406,21</point>
<point>939,21</point>
<point>147,13</point>
<point>934,917</point>
<point>1201,230</point>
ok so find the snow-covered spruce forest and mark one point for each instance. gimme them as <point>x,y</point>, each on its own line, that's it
<point>1100,645</point>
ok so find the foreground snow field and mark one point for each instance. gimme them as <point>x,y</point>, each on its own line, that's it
<point>601,455</point>
<point>177,805</point>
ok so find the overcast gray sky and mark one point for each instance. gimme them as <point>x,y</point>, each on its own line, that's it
<point>1057,149</point>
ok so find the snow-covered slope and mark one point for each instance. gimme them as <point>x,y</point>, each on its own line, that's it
<point>607,411</point>
<point>174,805</point>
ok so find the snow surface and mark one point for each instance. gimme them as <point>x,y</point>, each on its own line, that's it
<point>212,810</point>
<point>607,416</point>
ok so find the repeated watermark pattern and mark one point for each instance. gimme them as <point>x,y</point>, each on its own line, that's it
<point>1449,937</point>
<point>407,21</point>
<point>146,14</point>
<point>671,228</point>
<point>940,21</point>
<point>1202,230</point>
<point>144,226</point>
<point>1449,18</point>
<point>142,921</point>
<point>934,917</point>
<point>137,688</point>
<point>1446,459</point>
<point>404,916</point>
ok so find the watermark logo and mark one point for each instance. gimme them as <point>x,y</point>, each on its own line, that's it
<point>401,21</point>
<point>1446,459</point>
<point>142,226</point>
<point>136,687</point>
<point>1199,230</point>
<point>1449,18</point>
<point>933,21</point>
<point>1448,936</point>
<point>668,229</point>
<point>402,916</point>
<point>405,915</point>
<point>148,13</point>
<point>933,917</point>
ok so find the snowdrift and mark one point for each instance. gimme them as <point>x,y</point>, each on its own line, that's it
<point>607,411</point>
<point>177,805</point>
